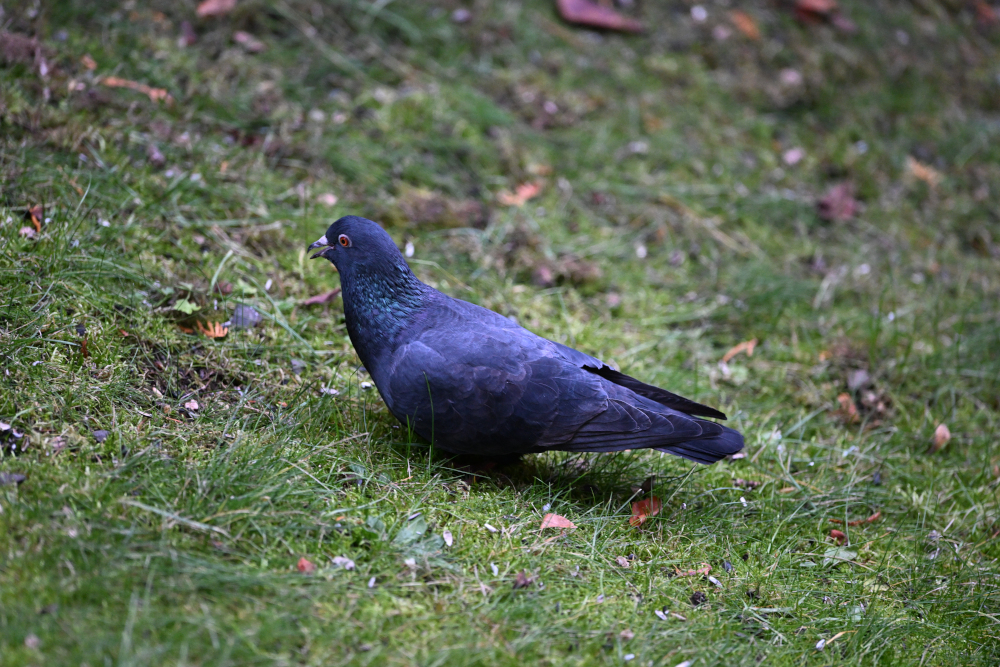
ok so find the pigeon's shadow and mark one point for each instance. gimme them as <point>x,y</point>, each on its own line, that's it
<point>587,478</point>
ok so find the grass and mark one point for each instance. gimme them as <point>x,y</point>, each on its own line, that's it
<point>668,229</point>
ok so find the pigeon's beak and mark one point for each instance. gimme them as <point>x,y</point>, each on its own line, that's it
<point>320,243</point>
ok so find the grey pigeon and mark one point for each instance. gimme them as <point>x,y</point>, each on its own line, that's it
<point>473,382</point>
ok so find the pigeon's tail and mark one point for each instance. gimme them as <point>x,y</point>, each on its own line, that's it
<point>708,450</point>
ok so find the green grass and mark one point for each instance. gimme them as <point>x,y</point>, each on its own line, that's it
<point>176,539</point>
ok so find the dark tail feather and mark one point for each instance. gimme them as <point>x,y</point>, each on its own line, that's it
<point>708,450</point>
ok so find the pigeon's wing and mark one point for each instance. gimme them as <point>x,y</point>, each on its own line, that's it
<point>661,396</point>
<point>489,391</point>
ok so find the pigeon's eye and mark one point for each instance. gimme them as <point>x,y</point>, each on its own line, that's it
<point>344,240</point>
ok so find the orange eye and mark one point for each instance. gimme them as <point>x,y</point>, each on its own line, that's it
<point>344,240</point>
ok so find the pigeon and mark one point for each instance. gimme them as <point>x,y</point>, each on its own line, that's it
<point>475,383</point>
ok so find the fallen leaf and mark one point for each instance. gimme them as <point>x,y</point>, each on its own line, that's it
<point>586,12</point>
<point>745,24</point>
<point>306,566</point>
<point>88,62</point>
<point>838,555</point>
<point>698,598</point>
<point>556,521</point>
<point>326,297</point>
<point>192,405</point>
<point>848,410</point>
<point>702,571</point>
<point>817,11</point>
<point>986,14</point>
<point>622,561</point>
<point>746,346</point>
<point>838,203</point>
<point>521,194</point>
<point>83,349</point>
<point>838,535</point>
<point>37,213</point>
<point>626,635</point>
<point>215,8</point>
<point>922,172</point>
<point>249,43</point>
<point>154,94</point>
<point>643,509</point>
<point>872,519</point>
<point>941,437</point>
<point>212,329</point>
<point>522,580</point>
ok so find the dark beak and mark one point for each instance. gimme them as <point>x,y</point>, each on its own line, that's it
<point>321,243</point>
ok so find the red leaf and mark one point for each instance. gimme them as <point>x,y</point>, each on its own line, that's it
<point>838,535</point>
<point>701,571</point>
<point>521,194</point>
<point>590,13</point>
<point>306,566</point>
<point>556,521</point>
<point>326,297</point>
<point>838,203</point>
<point>215,8</point>
<point>745,24</point>
<point>643,509</point>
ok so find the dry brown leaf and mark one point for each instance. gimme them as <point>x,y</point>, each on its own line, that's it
<point>838,535</point>
<point>622,561</point>
<point>922,172</point>
<point>645,508</point>
<point>521,194</point>
<point>154,94</point>
<point>942,434</point>
<point>215,8</point>
<point>746,346</point>
<point>88,62</point>
<point>37,213</point>
<point>306,566</point>
<point>816,11</point>
<point>586,12</point>
<point>556,521</point>
<point>701,571</point>
<point>745,24</point>
<point>848,410</point>
<point>83,349</point>
<point>212,329</point>
<point>326,297</point>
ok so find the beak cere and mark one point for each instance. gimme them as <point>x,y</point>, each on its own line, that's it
<point>320,243</point>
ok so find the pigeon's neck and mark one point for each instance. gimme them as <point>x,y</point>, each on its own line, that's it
<point>377,306</point>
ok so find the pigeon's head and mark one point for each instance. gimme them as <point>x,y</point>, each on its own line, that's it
<point>356,244</point>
